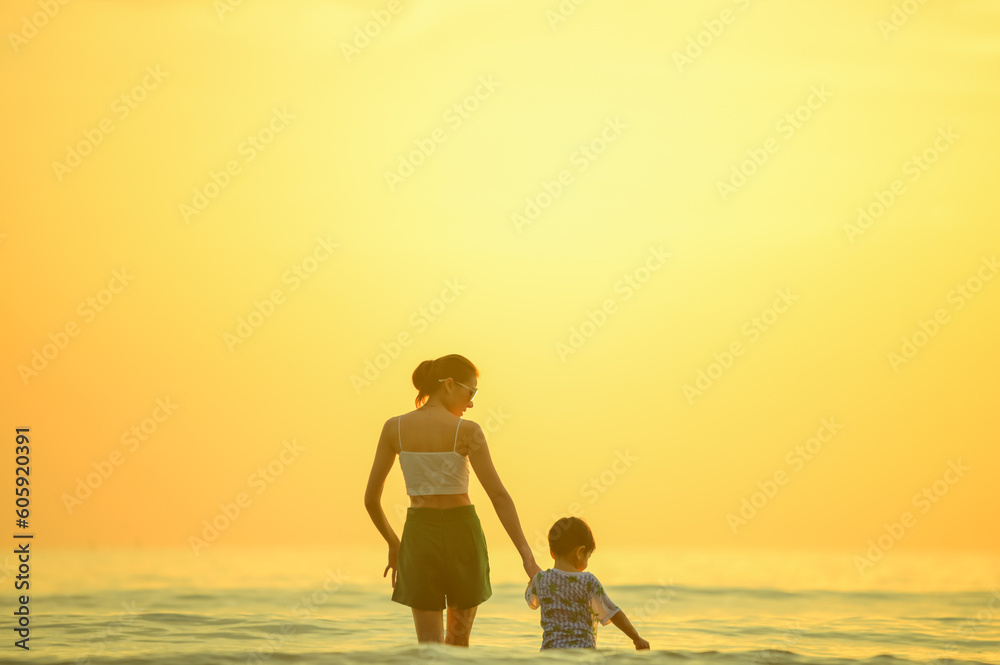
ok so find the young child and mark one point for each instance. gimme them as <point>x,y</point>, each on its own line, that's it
<point>572,601</point>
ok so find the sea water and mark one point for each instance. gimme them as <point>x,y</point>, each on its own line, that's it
<point>281,606</point>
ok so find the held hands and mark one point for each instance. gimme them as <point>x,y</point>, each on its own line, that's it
<point>393,557</point>
<point>530,566</point>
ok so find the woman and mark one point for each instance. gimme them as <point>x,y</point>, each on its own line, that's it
<point>442,559</point>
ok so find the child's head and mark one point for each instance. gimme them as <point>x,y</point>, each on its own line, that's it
<point>570,538</point>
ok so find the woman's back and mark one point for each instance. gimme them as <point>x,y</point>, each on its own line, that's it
<point>430,465</point>
<point>428,430</point>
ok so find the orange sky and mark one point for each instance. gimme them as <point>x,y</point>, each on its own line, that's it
<point>687,333</point>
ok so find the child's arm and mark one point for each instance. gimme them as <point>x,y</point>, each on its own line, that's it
<point>620,620</point>
<point>531,593</point>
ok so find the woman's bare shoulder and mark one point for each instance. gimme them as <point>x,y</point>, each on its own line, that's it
<point>390,427</point>
<point>471,438</point>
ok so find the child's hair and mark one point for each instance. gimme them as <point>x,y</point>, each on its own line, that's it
<point>568,533</point>
<point>427,373</point>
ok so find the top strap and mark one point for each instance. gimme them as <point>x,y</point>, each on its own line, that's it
<point>398,420</point>
<point>454,447</point>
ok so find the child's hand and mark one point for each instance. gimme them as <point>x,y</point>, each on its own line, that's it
<point>640,644</point>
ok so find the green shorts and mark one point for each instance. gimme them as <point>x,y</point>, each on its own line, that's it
<point>442,560</point>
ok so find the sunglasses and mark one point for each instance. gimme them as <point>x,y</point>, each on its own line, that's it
<point>473,391</point>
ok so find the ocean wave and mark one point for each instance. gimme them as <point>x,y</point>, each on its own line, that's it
<point>444,655</point>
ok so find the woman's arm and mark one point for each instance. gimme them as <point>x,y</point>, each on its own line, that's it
<point>482,464</point>
<point>385,456</point>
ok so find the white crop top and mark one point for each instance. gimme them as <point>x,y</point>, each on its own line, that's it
<point>434,473</point>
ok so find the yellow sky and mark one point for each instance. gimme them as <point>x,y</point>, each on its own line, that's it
<point>235,211</point>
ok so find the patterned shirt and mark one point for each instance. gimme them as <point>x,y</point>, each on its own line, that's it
<point>572,604</point>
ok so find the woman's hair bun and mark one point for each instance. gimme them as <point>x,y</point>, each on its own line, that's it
<point>422,375</point>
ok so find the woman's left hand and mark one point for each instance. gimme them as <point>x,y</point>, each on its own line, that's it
<point>531,567</point>
<point>393,558</point>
